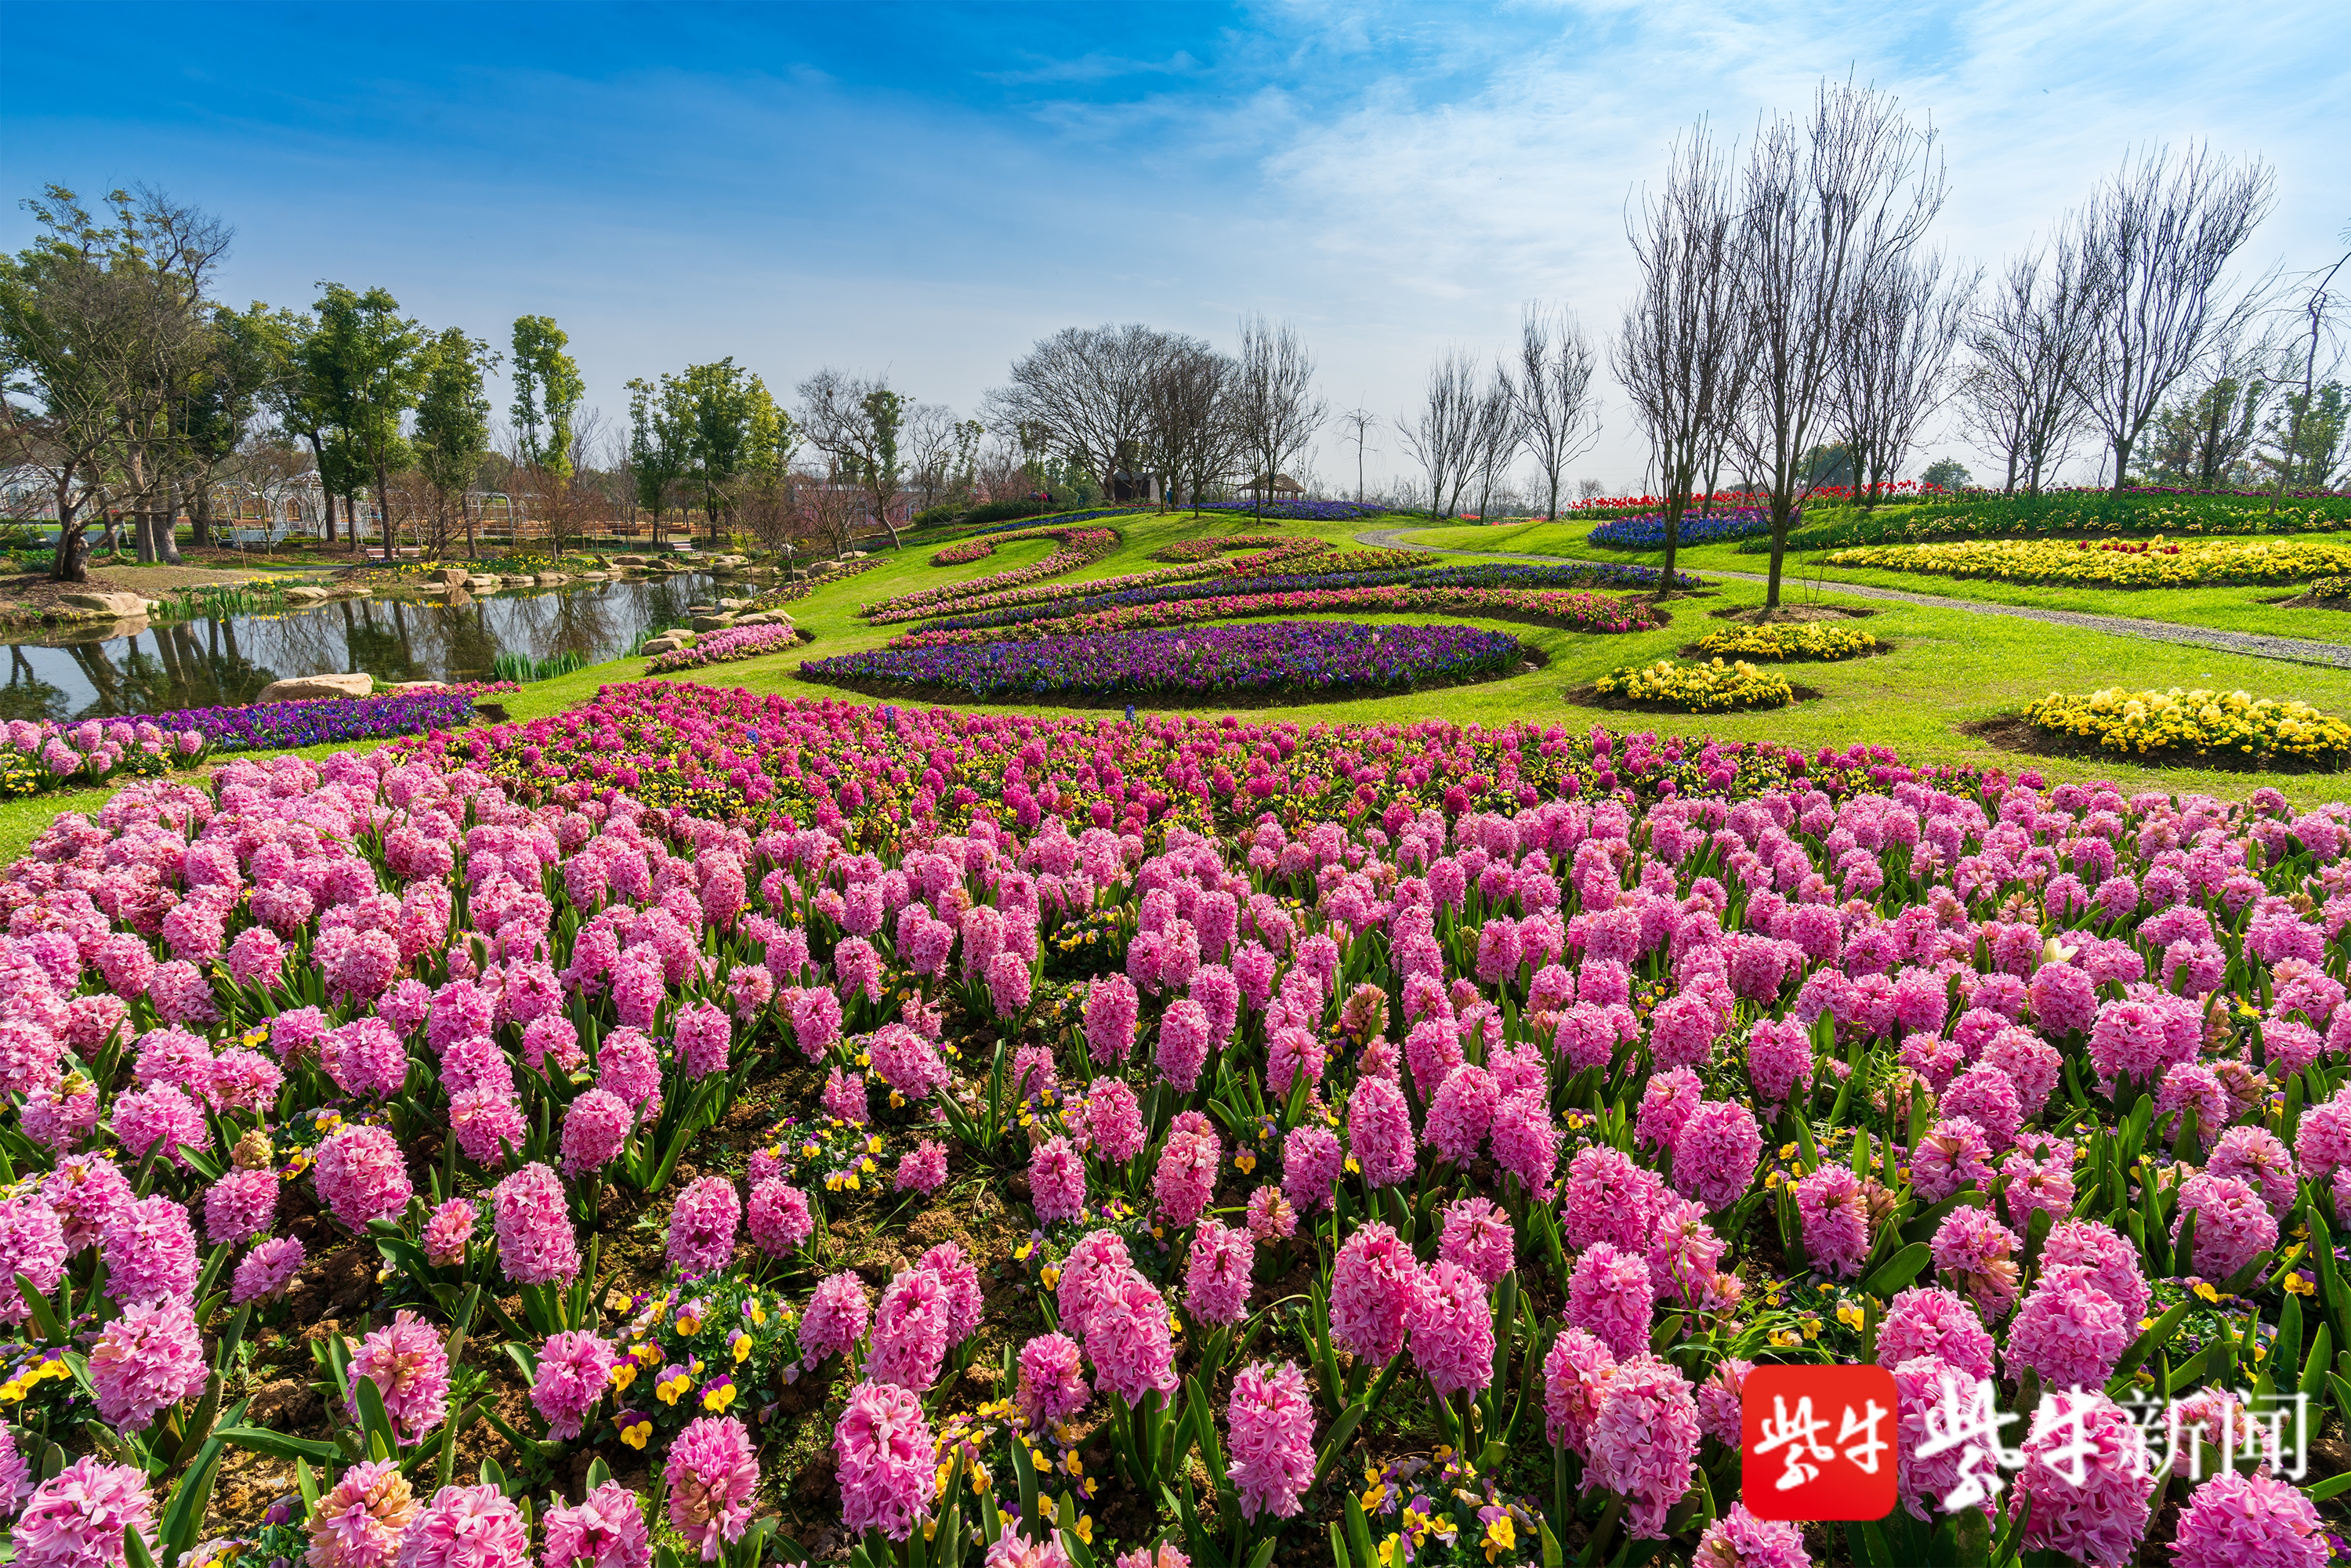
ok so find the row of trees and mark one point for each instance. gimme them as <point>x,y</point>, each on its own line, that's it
<point>1116,404</point>
<point>1792,300</point>
<point>132,392</point>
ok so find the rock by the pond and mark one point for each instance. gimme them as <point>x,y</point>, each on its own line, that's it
<point>655,646</point>
<point>306,593</point>
<point>626,561</point>
<point>408,688</point>
<point>454,577</point>
<point>710,622</point>
<point>594,576</point>
<point>357,685</point>
<point>101,603</point>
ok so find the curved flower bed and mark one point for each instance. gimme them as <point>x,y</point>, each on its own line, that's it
<point>1575,611</point>
<point>2001,1086</point>
<point>1289,657</point>
<point>2231,728</point>
<point>315,721</point>
<point>2115,563</point>
<point>724,646</point>
<point>1089,542</point>
<point>1712,687</point>
<point>933,602</point>
<point>876,772</point>
<point>1648,531</point>
<point>1805,640</point>
<point>1414,574</point>
<point>1208,550</point>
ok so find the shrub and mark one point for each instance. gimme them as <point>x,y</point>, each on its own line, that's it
<point>1811,640</point>
<point>1710,687</point>
<point>2330,588</point>
<point>2221,726</point>
<point>1302,656</point>
<point>2158,562</point>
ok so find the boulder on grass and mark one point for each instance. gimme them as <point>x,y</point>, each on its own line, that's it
<point>356,685</point>
<point>103,604</point>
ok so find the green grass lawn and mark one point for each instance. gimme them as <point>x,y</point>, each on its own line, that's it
<point>1948,668</point>
<point>2242,609</point>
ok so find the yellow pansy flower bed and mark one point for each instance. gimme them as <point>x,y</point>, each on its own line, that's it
<point>1811,640</point>
<point>2230,725</point>
<point>1712,687</point>
<point>2158,562</point>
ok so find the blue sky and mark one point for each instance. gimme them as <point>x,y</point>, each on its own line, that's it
<point>926,189</point>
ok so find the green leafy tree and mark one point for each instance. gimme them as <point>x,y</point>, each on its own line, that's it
<point>1947,473</point>
<point>224,399</point>
<point>62,318</point>
<point>2303,446</point>
<point>661,425</point>
<point>718,400</point>
<point>380,374</point>
<point>452,425</point>
<point>547,393</point>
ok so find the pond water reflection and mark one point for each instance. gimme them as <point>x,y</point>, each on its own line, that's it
<point>133,667</point>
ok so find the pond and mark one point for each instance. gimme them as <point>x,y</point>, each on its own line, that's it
<point>135,667</point>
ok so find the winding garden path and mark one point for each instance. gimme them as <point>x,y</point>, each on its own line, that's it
<point>2289,650</point>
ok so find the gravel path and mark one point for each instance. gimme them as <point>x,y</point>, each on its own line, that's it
<point>2288,649</point>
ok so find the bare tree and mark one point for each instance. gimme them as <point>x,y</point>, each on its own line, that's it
<point>931,445</point>
<point>1558,417</point>
<point>1850,188</point>
<point>1905,321</point>
<point>1495,437</point>
<point>1358,423</point>
<point>1677,353</point>
<point>1190,431</point>
<point>856,422</point>
<point>2155,240</point>
<point>2027,343</point>
<point>1081,394</point>
<point>1443,437</point>
<point>1273,398</point>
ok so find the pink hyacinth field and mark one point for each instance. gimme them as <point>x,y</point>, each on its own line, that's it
<point>705,1127</point>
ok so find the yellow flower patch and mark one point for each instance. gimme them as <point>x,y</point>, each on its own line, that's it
<point>2205,723</point>
<point>1811,640</point>
<point>1710,687</point>
<point>2156,562</point>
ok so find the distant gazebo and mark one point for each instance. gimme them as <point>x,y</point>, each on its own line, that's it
<point>1279,484</point>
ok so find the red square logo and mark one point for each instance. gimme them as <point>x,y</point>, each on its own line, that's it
<point>1818,1442</point>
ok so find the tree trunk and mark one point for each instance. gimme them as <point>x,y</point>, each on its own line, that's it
<point>202,520</point>
<point>142,536</point>
<point>167,527</point>
<point>72,564</point>
<point>383,510</point>
<point>1780,510</point>
<point>1673,541</point>
<point>2122,461</point>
